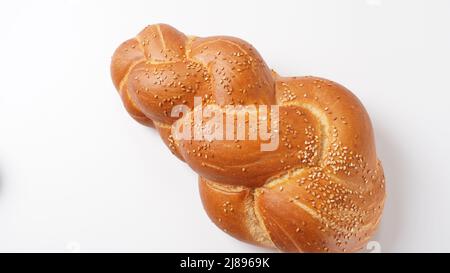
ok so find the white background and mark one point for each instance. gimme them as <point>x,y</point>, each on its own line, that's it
<point>77,173</point>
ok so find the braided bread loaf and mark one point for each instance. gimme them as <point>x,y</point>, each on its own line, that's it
<point>320,190</point>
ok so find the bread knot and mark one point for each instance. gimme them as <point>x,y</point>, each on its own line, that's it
<point>304,175</point>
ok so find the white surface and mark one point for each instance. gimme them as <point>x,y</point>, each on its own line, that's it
<point>77,173</point>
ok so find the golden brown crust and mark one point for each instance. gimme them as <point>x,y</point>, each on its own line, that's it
<point>232,210</point>
<point>238,73</point>
<point>126,56</point>
<point>349,141</point>
<point>322,189</point>
<point>299,135</point>
<point>156,88</point>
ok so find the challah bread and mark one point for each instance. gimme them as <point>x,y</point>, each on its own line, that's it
<point>321,189</point>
